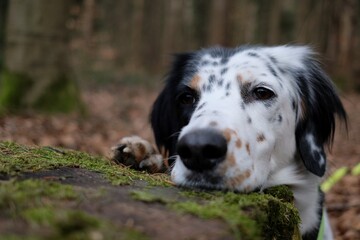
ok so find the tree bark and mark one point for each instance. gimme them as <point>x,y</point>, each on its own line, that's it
<point>341,41</point>
<point>171,43</point>
<point>87,21</point>
<point>217,23</point>
<point>3,8</point>
<point>36,72</point>
<point>137,23</point>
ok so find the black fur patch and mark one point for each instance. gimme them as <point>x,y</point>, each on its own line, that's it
<point>252,54</point>
<point>245,93</point>
<point>242,104</point>
<point>223,71</point>
<point>166,119</point>
<point>204,63</point>
<point>228,86</point>
<point>201,106</point>
<point>220,82</point>
<point>224,60</point>
<point>271,69</point>
<point>320,110</point>
<point>273,59</point>
<point>212,79</point>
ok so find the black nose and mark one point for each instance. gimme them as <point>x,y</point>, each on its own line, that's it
<point>202,149</point>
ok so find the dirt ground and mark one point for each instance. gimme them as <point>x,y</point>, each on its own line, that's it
<point>115,111</point>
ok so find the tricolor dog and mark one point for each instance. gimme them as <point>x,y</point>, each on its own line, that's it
<point>245,119</point>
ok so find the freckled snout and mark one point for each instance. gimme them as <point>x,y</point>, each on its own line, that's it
<point>202,149</point>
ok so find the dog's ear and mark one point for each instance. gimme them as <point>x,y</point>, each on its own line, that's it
<point>164,119</point>
<point>319,104</point>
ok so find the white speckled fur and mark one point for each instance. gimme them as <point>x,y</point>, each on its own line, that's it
<point>270,162</point>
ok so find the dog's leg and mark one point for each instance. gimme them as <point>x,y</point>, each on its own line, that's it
<point>138,154</point>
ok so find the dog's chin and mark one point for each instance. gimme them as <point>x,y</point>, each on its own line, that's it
<point>202,186</point>
<point>203,180</point>
<point>211,181</point>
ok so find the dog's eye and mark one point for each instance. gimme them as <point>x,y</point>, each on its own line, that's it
<point>187,99</point>
<point>262,93</point>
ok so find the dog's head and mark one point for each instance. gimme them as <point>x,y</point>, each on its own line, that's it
<point>234,117</point>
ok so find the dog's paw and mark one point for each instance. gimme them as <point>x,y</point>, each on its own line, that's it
<point>138,154</point>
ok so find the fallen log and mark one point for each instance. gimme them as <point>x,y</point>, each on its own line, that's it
<point>50,193</point>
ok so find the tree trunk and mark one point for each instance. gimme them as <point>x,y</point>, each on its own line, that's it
<point>217,23</point>
<point>342,41</point>
<point>274,23</point>
<point>3,8</point>
<point>152,35</point>
<point>137,23</point>
<point>87,22</point>
<point>36,72</point>
<point>171,29</point>
<point>268,18</point>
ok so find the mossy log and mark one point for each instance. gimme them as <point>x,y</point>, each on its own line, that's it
<point>50,193</point>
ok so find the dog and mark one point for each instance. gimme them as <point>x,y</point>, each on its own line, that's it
<point>244,119</point>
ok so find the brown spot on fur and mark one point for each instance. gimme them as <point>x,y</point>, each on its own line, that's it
<point>153,168</point>
<point>139,152</point>
<point>303,109</point>
<point>247,148</point>
<point>213,123</point>
<point>238,143</point>
<point>231,159</point>
<point>260,137</point>
<point>164,152</point>
<point>239,78</point>
<point>227,133</point>
<point>194,83</point>
<point>239,179</point>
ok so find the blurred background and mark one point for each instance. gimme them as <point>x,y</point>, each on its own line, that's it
<point>81,74</point>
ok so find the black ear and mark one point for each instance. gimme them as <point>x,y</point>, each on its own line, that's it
<point>164,118</point>
<point>319,106</point>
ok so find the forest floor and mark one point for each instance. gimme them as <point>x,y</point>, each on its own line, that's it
<point>116,111</point>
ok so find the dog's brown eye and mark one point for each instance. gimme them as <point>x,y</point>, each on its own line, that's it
<point>262,93</point>
<point>187,99</point>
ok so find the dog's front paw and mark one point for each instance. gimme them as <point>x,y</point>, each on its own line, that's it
<point>138,154</point>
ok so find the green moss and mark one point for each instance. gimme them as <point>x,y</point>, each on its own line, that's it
<point>283,193</point>
<point>15,159</point>
<point>17,196</point>
<point>62,95</point>
<point>249,216</point>
<point>242,226</point>
<point>44,208</point>
<point>64,222</point>
<point>239,211</point>
<point>39,216</point>
<point>146,196</point>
